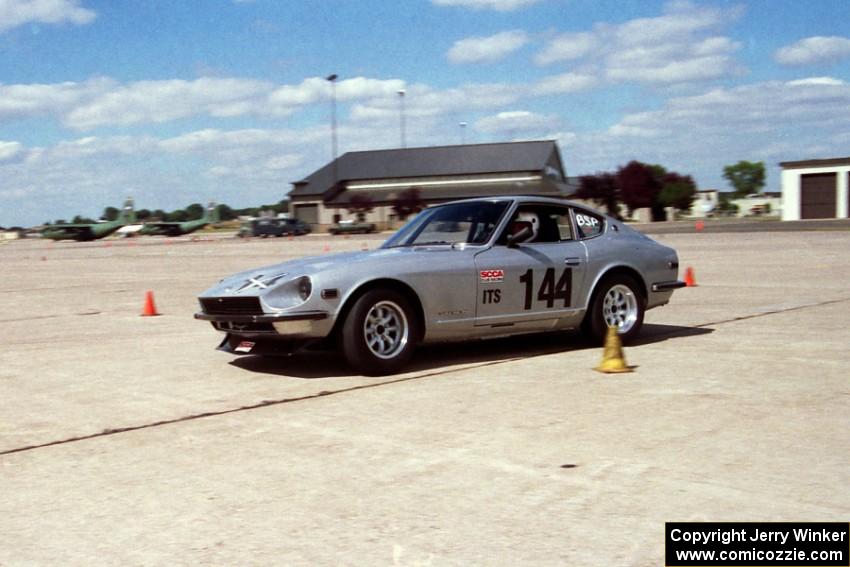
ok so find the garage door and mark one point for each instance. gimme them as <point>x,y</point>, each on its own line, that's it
<point>817,196</point>
<point>307,213</point>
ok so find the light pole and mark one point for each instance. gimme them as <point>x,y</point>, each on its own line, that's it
<point>401,112</point>
<point>462,133</point>
<point>332,80</point>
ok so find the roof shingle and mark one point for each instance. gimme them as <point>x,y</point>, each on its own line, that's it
<point>428,162</point>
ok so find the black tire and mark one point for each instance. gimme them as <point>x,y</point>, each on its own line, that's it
<point>380,332</point>
<point>616,300</point>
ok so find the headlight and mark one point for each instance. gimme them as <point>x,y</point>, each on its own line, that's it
<point>305,287</point>
<point>290,293</point>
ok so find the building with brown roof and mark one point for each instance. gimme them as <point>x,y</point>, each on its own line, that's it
<point>440,174</point>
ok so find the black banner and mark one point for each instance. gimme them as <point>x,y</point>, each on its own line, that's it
<point>757,544</point>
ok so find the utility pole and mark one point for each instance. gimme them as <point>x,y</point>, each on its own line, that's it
<point>332,80</point>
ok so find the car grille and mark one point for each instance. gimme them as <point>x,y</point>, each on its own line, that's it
<point>231,305</point>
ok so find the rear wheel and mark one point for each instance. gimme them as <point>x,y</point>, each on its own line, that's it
<point>380,332</point>
<point>617,302</point>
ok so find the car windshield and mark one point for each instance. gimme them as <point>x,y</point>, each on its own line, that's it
<point>469,223</point>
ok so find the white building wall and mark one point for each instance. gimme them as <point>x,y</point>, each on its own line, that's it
<point>791,181</point>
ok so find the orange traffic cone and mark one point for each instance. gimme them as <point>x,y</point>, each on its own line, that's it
<point>149,309</point>
<point>690,279</point>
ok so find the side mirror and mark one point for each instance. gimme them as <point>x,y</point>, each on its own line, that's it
<point>515,239</point>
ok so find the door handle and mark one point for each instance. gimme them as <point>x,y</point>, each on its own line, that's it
<point>572,261</point>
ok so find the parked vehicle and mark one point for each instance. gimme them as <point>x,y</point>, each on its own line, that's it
<point>352,227</point>
<point>264,227</point>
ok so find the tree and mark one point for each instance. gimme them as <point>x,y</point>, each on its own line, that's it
<point>407,203</point>
<point>725,205</point>
<point>110,213</point>
<point>225,213</point>
<point>359,205</point>
<point>639,185</point>
<point>745,176</point>
<point>179,215</point>
<point>81,220</point>
<point>194,211</point>
<point>602,189</point>
<point>143,215</point>
<point>677,191</point>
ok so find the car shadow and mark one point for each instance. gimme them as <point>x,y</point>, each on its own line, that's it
<point>328,364</point>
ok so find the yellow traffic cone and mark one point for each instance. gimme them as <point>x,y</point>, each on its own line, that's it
<point>613,361</point>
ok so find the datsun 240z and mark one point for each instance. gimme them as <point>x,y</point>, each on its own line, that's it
<point>465,270</point>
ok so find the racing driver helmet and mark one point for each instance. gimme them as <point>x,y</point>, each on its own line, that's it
<point>527,220</point>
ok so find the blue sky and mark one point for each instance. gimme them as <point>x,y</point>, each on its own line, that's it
<point>182,101</point>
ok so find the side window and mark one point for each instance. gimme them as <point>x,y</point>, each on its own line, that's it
<point>542,223</point>
<point>561,218</point>
<point>588,224</point>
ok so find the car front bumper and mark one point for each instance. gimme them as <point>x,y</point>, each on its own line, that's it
<point>304,324</point>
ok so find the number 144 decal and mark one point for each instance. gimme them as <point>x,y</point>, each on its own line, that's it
<point>549,291</point>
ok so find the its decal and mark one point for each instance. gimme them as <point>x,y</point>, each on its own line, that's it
<point>491,276</point>
<point>492,296</point>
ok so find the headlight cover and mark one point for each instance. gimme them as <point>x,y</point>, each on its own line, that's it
<point>290,293</point>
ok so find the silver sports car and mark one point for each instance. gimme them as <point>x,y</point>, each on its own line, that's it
<point>465,270</point>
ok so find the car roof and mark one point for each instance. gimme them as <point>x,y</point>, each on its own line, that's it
<point>521,199</point>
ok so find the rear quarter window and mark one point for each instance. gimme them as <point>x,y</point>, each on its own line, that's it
<point>588,224</point>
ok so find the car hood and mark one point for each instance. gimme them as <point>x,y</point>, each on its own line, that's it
<point>258,280</point>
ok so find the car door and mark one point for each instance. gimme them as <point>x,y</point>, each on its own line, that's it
<point>533,285</point>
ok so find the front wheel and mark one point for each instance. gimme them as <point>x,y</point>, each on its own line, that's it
<point>380,332</point>
<point>617,302</point>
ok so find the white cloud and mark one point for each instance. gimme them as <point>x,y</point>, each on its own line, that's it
<point>816,81</point>
<point>85,174</point>
<point>163,101</point>
<point>487,49</point>
<point>680,22</point>
<point>425,101</point>
<point>359,88</point>
<point>814,50</point>
<point>23,101</point>
<point>563,84</point>
<point>15,13</point>
<point>699,134</point>
<point>105,102</point>
<point>568,47</point>
<point>498,5</point>
<point>678,46</point>
<point>516,122</point>
<point>9,150</point>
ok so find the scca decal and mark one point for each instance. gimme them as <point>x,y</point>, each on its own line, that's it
<point>491,275</point>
